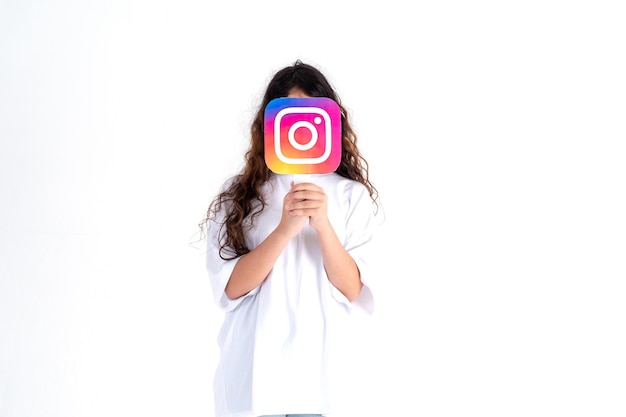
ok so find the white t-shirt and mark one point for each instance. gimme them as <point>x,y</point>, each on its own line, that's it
<point>275,342</point>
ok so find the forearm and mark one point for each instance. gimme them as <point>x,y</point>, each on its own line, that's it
<point>340,267</point>
<point>252,268</point>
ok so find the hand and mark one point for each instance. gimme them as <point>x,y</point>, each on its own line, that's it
<point>289,223</point>
<point>308,201</point>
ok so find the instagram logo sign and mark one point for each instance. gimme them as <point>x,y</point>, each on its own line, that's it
<point>302,135</point>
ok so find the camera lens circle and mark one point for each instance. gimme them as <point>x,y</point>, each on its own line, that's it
<point>291,135</point>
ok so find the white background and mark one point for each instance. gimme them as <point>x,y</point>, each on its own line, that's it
<point>495,134</point>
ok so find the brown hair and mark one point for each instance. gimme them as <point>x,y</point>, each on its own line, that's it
<point>244,193</point>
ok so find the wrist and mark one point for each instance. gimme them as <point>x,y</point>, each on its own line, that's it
<point>322,226</point>
<point>283,233</point>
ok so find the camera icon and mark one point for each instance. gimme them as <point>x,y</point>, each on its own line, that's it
<point>302,135</point>
<point>305,143</point>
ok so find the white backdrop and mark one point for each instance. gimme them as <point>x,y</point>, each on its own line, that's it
<point>495,136</point>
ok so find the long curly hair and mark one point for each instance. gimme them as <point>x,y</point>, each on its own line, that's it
<point>243,196</point>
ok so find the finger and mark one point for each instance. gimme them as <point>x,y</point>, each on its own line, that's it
<point>303,213</point>
<point>305,205</point>
<point>292,197</point>
<point>309,195</point>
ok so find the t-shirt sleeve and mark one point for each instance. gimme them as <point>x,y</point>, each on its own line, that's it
<point>361,225</point>
<point>218,269</point>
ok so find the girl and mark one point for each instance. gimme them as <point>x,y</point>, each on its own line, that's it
<point>287,261</point>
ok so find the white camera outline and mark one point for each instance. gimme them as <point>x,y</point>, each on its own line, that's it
<point>303,161</point>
